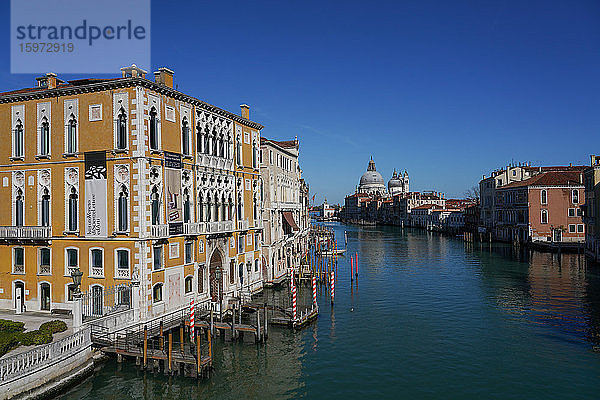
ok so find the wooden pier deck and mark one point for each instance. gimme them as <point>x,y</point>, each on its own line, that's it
<point>304,319</point>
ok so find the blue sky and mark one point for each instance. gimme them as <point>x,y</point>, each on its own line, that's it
<point>446,90</point>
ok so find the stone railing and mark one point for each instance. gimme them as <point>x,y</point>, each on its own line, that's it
<point>218,226</point>
<point>258,224</point>
<point>43,357</point>
<point>25,232</point>
<point>159,231</point>
<point>243,225</point>
<point>193,228</point>
<point>207,160</point>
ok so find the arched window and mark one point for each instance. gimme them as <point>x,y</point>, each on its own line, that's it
<point>200,208</point>
<point>72,136</point>
<point>223,208</point>
<point>206,150</point>
<point>157,292</point>
<point>199,138</point>
<point>544,197</point>
<point>240,209</point>
<point>123,207</point>
<point>45,137</point>
<point>213,143</point>
<point>221,146</point>
<point>45,220</point>
<point>200,280</point>
<point>216,207</point>
<point>255,212</point>
<point>241,273</point>
<point>187,206</point>
<point>230,209</point>
<point>19,208</point>
<point>18,136</point>
<point>185,136</point>
<point>208,208</point>
<point>544,217</point>
<point>238,150</point>
<point>575,196</point>
<point>153,130</point>
<point>254,155</point>
<point>73,208</point>
<point>188,284</point>
<point>122,130</point>
<point>155,198</point>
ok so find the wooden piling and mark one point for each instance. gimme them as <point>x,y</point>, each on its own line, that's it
<point>161,339</point>
<point>209,346</point>
<point>198,354</point>
<point>170,351</point>
<point>181,337</point>
<point>145,346</point>
<point>258,325</point>
<point>266,332</point>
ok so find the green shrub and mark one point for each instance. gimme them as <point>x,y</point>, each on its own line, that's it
<point>8,341</point>
<point>11,326</point>
<point>54,326</point>
<point>35,338</point>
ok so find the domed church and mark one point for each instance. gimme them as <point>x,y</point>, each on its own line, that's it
<point>372,183</point>
<point>398,184</point>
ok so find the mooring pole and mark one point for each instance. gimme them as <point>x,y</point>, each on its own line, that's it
<point>212,326</point>
<point>258,324</point>
<point>198,353</point>
<point>266,332</point>
<point>209,346</point>
<point>170,350</point>
<point>181,337</point>
<point>161,339</point>
<point>145,346</point>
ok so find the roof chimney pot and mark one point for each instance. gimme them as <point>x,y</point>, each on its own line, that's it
<point>245,111</point>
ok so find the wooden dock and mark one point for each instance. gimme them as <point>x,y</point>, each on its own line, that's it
<point>304,318</point>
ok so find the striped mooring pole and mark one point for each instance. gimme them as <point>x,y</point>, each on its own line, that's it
<point>357,264</point>
<point>294,310</point>
<point>314,288</point>
<point>192,322</point>
<point>332,286</point>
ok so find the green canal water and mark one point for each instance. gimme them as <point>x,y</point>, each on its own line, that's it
<point>430,318</point>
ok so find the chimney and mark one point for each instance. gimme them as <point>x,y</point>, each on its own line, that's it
<point>164,76</point>
<point>245,111</point>
<point>48,81</point>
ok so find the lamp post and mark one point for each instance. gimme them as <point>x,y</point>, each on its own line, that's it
<point>76,275</point>
<point>218,276</point>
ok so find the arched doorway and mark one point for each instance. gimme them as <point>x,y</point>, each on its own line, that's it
<point>45,296</point>
<point>216,285</point>
<point>19,297</point>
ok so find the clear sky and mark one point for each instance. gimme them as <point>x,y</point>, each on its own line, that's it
<point>446,90</point>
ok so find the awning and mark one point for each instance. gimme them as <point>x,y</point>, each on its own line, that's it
<point>289,218</point>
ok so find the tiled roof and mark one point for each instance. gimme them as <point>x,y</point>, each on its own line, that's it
<point>425,207</point>
<point>286,144</point>
<point>552,178</point>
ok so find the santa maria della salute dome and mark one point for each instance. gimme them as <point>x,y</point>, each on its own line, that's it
<point>372,183</point>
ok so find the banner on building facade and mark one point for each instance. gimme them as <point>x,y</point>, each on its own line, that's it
<point>173,167</point>
<point>96,219</point>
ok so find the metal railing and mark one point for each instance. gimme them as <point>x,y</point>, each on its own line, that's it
<point>104,301</point>
<point>25,232</point>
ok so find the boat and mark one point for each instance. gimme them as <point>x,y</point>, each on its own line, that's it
<point>330,252</point>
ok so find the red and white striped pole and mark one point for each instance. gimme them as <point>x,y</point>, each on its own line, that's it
<point>294,310</point>
<point>314,287</point>
<point>192,322</point>
<point>332,285</point>
<point>351,267</point>
<point>356,264</point>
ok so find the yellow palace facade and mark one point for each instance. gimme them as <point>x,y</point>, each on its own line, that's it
<point>127,180</point>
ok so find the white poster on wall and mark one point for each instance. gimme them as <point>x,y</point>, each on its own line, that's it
<point>96,219</point>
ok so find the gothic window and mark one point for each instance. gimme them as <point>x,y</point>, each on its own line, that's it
<point>153,130</point>
<point>544,216</point>
<point>199,138</point>
<point>122,130</point>
<point>187,206</point>
<point>185,136</point>
<point>230,209</point>
<point>213,143</point>
<point>216,207</point>
<point>72,212</point>
<point>240,209</point>
<point>544,197</point>
<point>200,280</point>
<point>575,196</point>
<point>72,135</point>
<point>238,150</point>
<point>45,220</point>
<point>221,146</point>
<point>200,208</point>
<point>18,137</point>
<point>205,141</point>
<point>122,211</point>
<point>208,208</point>
<point>223,208</point>
<point>45,137</point>
<point>19,208</point>
<point>155,198</point>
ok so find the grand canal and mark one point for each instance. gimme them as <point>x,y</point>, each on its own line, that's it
<point>431,317</point>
